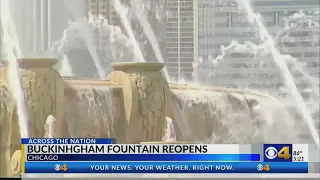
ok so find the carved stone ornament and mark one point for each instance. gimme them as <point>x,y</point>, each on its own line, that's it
<point>146,99</point>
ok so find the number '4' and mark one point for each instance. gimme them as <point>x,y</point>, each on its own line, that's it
<point>284,153</point>
<point>64,167</point>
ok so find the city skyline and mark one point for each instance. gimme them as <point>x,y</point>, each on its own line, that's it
<point>191,29</point>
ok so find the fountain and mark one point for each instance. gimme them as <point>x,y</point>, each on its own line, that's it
<point>265,36</point>
<point>76,47</point>
<point>132,105</point>
<point>122,12</point>
<point>41,87</point>
<point>142,18</point>
<point>135,103</point>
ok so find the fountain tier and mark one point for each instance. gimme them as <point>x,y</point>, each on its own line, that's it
<point>131,105</point>
<point>43,92</point>
<point>146,99</point>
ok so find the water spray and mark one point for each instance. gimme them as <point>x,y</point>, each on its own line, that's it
<point>264,35</point>
<point>13,68</point>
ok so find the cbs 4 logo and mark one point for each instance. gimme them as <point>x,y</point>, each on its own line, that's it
<point>273,153</point>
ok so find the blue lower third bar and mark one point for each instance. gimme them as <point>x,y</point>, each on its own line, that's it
<point>143,157</point>
<point>165,167</point>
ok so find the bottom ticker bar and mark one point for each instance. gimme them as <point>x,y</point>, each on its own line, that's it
<point>166,167</point>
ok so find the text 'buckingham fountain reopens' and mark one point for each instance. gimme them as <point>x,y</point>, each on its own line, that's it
<point>134,103</point>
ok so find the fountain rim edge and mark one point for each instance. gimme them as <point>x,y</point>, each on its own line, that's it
<point>123,66</point>
<point>33,62</point>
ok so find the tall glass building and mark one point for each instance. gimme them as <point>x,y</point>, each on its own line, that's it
<point>181,37</point>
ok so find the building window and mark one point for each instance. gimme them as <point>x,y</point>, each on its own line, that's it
<point>300,34</point>
<point>295,54</point>
<point>289,44</point>
<point>186,9</point>
<point>190,3</point>
<point>221,25</point>
<point>238,20</point>
<point>289,13</point>
<point>306,44</point>
<point>311,54</point>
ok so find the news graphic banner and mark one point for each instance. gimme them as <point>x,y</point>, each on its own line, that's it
<point>104,156</point>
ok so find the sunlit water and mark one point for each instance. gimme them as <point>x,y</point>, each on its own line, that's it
<point>258,59</point>
<point>83,28</point>
<point>170,133</point>
<point>257,22</point>
<point>287,102</point>
<point>231,119</point>
<point>234,47</point>
<point>65,67</point>
<point>117,47</point>
<point>292,23</point>
<point>11,51</point>
<point>143,20</point>
<point>85,31</point>
<point>95,104</point>
<point>11,28</point>
<point>122,12</point>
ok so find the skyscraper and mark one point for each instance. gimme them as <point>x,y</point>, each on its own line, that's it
<point>105,9</point>
<point>181,37</point>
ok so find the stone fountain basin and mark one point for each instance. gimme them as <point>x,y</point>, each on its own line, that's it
<point>131,105</point>
<point>202,107</point>
<point>99,108</point>
<point>212,111</point>
<point>94,108</point>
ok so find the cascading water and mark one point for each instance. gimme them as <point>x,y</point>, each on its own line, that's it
<point>170,133</point>
<point>181,124</point>
<point>14,78</point>
<point>65,67</point>
<point>268,40</point>
<point>229,117</point>
<point>122,12</point>
<point>95,104</point>
<point>83,28</point>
